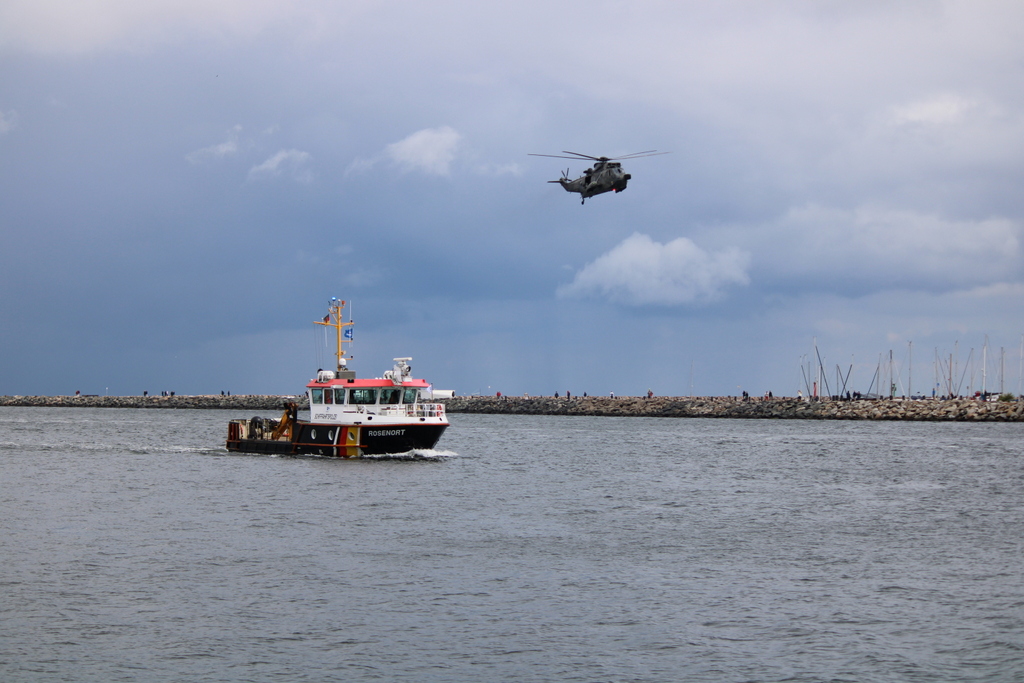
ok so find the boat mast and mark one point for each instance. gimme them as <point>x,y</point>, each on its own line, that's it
<point>910,369</point>
<point>984,367</point>
<point>334,319</point>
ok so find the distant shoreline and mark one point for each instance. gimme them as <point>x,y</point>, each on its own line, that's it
<point>933,410</point>
<point>211,401</point>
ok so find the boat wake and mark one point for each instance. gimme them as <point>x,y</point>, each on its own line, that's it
<point>421,454</point>
<point>415,454</point>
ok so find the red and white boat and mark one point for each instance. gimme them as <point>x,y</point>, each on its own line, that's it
<point>349,417</point>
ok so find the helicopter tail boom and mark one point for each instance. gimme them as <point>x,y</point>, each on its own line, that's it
<point>565,183</point>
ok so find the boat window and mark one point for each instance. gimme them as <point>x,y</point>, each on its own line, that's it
<point>410,395</point>
<point>328,395</point>
<point>390,396</point>
<point>318,396</point>
<point>339,396</point>
<point>362,396</point>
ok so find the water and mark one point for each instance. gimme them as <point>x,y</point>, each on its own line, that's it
<point>133,547</point>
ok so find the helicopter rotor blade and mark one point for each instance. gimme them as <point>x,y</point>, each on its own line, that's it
<point>557,156</point>
<point>638,155</point>
<point>577,156</point>
<point>585,156</point>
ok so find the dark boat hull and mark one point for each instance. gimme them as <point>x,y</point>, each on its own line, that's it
<point>341,441</point>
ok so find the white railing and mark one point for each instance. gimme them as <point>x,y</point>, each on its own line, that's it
<point>412,410</point>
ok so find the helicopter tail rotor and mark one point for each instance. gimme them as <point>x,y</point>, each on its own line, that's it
<point>563,180</point>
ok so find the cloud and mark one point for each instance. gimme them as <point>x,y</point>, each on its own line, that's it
<point>640,272</point>
<point>866,186</point>
<point>947,108</point>
<point>61,27</point>
<point>218,151</point>
<point>878,248</point>
<point>430,150</point>
<point>497,170</point>
<point>947,130</point>
<point>8,119</point>
<point>292,160</point>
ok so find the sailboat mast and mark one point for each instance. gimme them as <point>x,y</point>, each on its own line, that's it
<point>910,369</point>
<point>984,366</point>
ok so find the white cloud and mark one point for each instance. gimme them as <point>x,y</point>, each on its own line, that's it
<point>292,160</point>
<point>884,248</point>
<point>360,165</point>
<point>430,150</point>
<point>8,119</point>
<point>218,151</point>
<point>640,271</point>
<point>511,169</point>
<point>942,109</point>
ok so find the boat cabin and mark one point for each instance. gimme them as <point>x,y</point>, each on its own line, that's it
<point>397,393</point>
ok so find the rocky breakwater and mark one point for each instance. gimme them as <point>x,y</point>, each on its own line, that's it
<point>726,406</point>
<point>243,402</point>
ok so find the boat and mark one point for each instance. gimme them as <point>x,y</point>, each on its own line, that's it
<point>349,417</point>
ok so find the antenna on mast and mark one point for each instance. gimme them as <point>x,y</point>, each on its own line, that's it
<point>343,330</point>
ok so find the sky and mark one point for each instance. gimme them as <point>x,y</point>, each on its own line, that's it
<point>184,185</point>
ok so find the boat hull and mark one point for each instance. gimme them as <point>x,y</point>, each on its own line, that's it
<point>333,440</point>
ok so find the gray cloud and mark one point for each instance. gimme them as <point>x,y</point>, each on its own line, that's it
<point>874,248</point>
<point>849,171</point>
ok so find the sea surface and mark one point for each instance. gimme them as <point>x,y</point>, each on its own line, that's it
<point>134,547</point>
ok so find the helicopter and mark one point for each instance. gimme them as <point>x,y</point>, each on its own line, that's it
<point>606,175</point>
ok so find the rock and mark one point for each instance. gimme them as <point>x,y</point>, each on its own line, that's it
<point>627,406</point>
<point>725,406</point>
